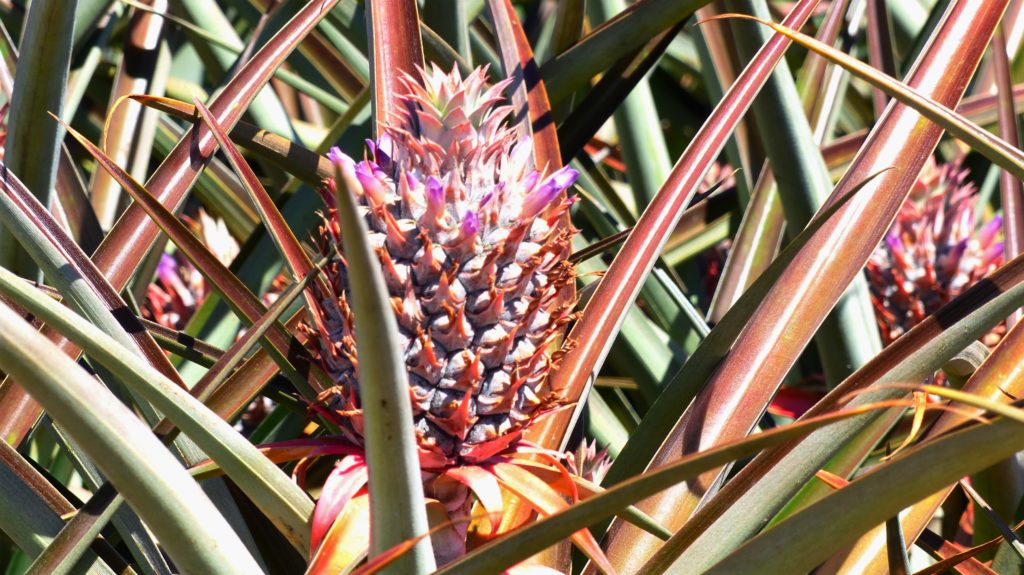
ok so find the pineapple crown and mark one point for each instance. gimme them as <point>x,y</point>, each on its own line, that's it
<point>456,164</point>
<point>932,252</point>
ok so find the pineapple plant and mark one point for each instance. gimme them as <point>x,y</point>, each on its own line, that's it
<point>473,244</point>
<point>435,294</point>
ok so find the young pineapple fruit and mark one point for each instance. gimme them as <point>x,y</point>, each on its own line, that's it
<point>179,289</point>
<point>932,252</point>
<point>472,240</point>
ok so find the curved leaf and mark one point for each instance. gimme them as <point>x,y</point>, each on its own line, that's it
<point>122,250</point>
<point>529,540</point>
<point>182,517</point>
<point>620,285</point>
<point>812,534</point>
<point>732,399</point>
<point>273,491</point>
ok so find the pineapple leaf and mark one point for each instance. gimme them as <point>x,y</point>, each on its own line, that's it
<point>1011,192</point>
<point>247,305</point>
<point>283,502</point>
<point>528,94</point>
<point>31,509</point>
<point>625,277</point>
<point>967,557</point>
<point>523,543</point>
<point>754,246</point>
<point>917,354</point>
<point>182,344</point>
<point>848,337</point>
<point>33,143</point>
<point>253,375</point>
<point>638,123</point>
<point>121,133</point>
<point>220,371</point>
<point>598,50</point>
<point>294,158</point>
<point>896,547</point>
<point>396,490</point>
<point>812,534</point>
<point>266,107</point>
<point>67,267</point>
<point>568,27</point>
<point>995,149</point>
<point>181,516</point>
<point>608,94</point>
<point>449,21</point>
<point>880,49</point>
<point>397,49</point>
<point>733,398</point>
<point>74,539</point>
<point>296,257</point>
<point>133,235</point>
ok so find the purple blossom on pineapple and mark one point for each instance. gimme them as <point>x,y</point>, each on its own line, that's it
<point>932,252</point>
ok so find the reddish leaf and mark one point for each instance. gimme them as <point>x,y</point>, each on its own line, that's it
<point>816,69</point>
<point>880,48</point>
<point>956,558</point>
<point>287,451</point>
<point>397,50</point>
<point>297,258</point>
<point>992,381</point>
<point>629,30</point>
<point>348,477</point>
<point>485,486</point>
<point>739,389</point>
<point>234,292</point>
<point>300,161</point>
<point>593,334</point>
<point>831,479</point>
<point>1010,188</point>
<point>348,540</point>
<point>20,411</point>
<point>242,386</point>
<point>528,92</point>
<point>131,238</point>
<point>121,252</point>
<point>1010,277</point>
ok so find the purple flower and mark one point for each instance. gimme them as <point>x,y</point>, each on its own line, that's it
<point>539,199</point>
<point>470,224</point>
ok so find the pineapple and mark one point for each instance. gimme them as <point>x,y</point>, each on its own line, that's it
<point>179,288</point>
<point>472,240</point>
<point>932,252</point>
